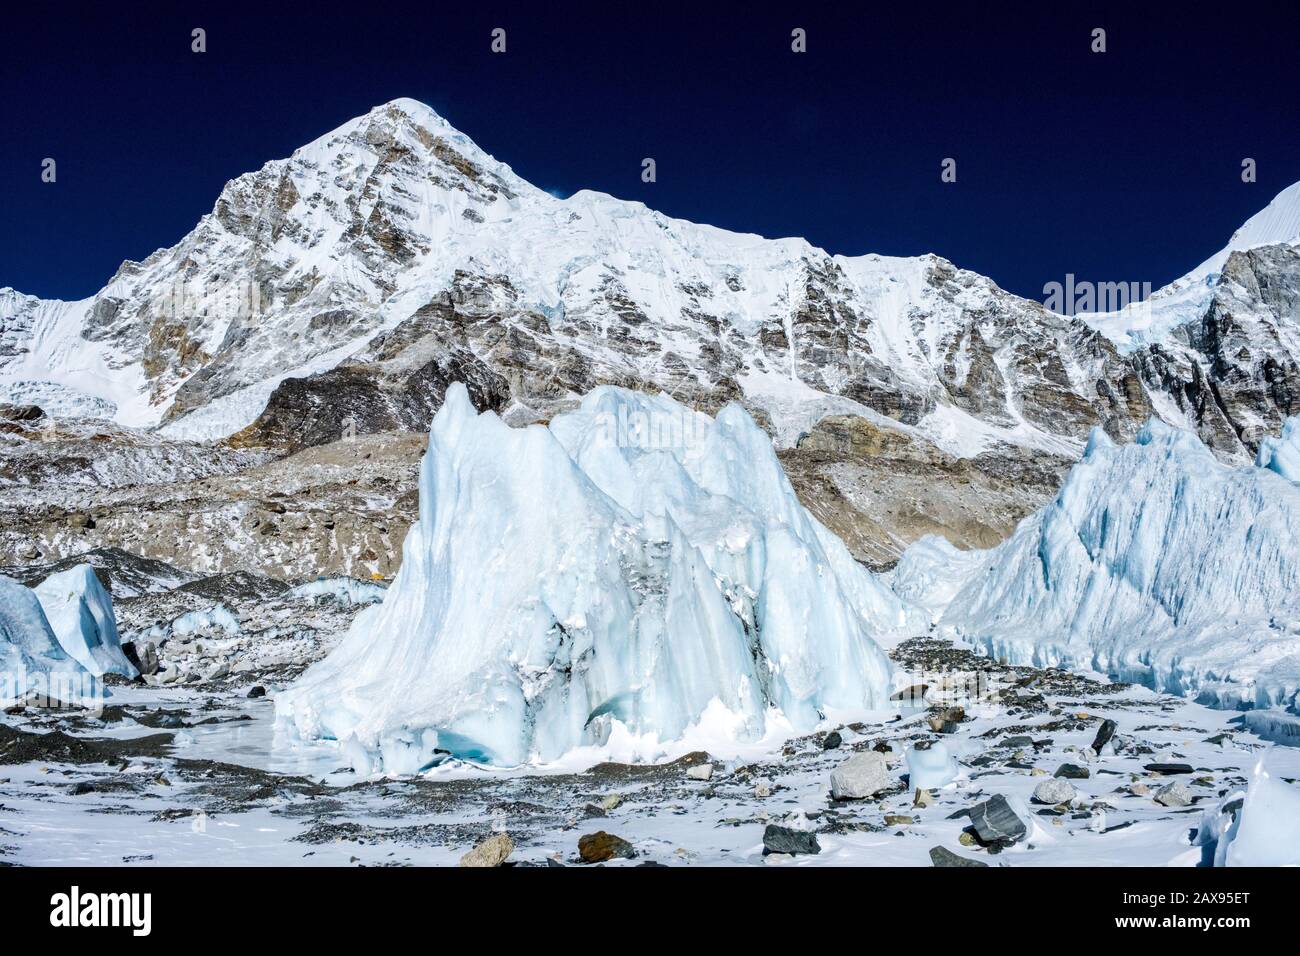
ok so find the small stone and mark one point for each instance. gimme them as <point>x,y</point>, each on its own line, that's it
<point>967,839</point>
<point>832,741</point>
<point>897,820</point>
<point>942,856</point>
<point>1141,789</point>
<point>862,775</point>
<point>778,839</point>
<point>611,802</point>
<point>256,691</point>
<point>491,852</point>
<point>1054,790</point>
<point>1104,734</point>
<point>996,823</point>
<point>701,771</point>
<point>1072,771</point>
<point>923,798</point>
<point>1018,743</point>
<point>601,846</point>
<point>1174,794</point>
<point>762,789</point>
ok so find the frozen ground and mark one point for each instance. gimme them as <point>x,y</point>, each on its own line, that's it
<point>188,775</point>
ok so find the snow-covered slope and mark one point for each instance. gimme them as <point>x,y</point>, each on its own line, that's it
<point>635,569</point>
<point>80,612</point>
<point>1155,563</point>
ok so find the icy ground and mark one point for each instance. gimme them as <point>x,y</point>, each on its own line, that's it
<point>195,775</point>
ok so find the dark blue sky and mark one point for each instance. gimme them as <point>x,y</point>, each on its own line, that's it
<point>1123,166</point>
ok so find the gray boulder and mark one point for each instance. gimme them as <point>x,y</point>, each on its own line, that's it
<point>862,775</point>
<point>996,823</point>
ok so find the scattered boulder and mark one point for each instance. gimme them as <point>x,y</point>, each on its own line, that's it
<point>1174,794</point>
<point>611,802</point>
<point>996,824</point>
<point>601,846</point>
<point>256,691</point>
<point>942,856</point>
<point>898,820</point>
<point>832,740</point>
<point>762,788</point>
<point>1054,790</point>
<point>701,771</point>
<point>1104,734</point>
<point>491,852</point>
<point>217,671</point>
<point>779,839</point>
<point>863,775</point>
<point>1072,771</point>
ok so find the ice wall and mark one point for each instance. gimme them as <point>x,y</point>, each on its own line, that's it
<point>31,660</point>
<point>80,612</point>
<point>1156,563</point>
<point>634,563</point>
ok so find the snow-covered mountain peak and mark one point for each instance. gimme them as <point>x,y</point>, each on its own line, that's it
<point>393,245</point>
<point>1185,299</point>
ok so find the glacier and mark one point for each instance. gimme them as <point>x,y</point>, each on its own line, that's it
<point>634,565</point>
<point>80,612</point>
<point>1282,454</point>
<point>31,658</point>
<point>1155,563</point>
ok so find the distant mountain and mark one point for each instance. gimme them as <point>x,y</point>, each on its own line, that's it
<point>348,286</point>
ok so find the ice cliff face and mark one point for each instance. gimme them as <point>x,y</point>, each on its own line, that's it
<point>635,565</point>
<point>31,660</point>
<point>1155,563</point>
<point>80,613</point>
<point>1282,454</point>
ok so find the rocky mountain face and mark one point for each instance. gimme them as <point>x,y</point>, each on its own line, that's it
<point>1233,374</point>
<point>340,291</point>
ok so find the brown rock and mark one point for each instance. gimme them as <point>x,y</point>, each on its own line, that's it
<point>601,846</point>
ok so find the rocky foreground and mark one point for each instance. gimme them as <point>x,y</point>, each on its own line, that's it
<point>1050,768</point>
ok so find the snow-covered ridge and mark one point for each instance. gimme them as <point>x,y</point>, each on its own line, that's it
<point>1155,563</point>
<point>305,263</point>
<point>1184,300</point>
<point>632,573</point>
